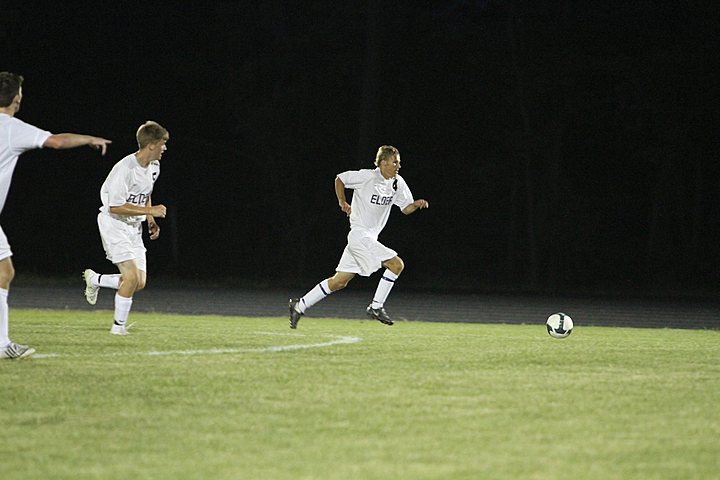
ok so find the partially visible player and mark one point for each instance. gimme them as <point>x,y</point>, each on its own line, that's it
<point>375,192</point>
<point>17,137</point>
<point>126,203</point>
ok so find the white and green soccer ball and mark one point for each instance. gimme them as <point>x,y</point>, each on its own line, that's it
<point>559,325</point>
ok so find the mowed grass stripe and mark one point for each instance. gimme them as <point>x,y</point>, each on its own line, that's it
<point>412,401</point>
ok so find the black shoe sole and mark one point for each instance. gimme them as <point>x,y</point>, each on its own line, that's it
<point>294,315</point>
<point>384,322</point>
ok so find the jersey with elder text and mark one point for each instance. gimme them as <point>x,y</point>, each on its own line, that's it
<point>373,197</point>
<point>128,182</point>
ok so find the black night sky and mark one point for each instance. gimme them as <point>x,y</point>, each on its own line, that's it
<point>563,146</point>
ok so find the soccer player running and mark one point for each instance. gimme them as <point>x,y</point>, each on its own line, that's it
<point>17,137</point>
<point>375,192</point>
<point>126,203</point>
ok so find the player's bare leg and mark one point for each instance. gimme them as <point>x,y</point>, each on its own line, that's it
<point>340,280</point>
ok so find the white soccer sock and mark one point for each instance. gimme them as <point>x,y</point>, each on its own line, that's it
<point>4,338</point>
<point>106,280</point>
<point>383,289</point>
<point>319,292</point>
<point>122,309</point>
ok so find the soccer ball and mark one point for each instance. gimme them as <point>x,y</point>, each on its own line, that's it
<point>559,325</point>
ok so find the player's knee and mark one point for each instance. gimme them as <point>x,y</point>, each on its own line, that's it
<point>140,280</point>
<point>129,282</point>
<point>395,265</point>
<point>338,283</point>
<point>133,282</point>
<point>7,273</point>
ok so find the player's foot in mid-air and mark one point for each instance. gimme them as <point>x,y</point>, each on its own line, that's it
<point>294,312</point>
<point>15,351</point>
<point>379,314</point>
<point>91,292</point>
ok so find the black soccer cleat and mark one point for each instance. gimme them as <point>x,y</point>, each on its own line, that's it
<point>379,314</point>
<point>294,314</point>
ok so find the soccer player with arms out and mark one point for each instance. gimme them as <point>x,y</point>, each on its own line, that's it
<point>126,203</point>
<point>375,192</point>
<point>17,137</point>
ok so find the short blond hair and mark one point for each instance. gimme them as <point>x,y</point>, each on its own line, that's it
<point>151,132</point>
<point>386,152</point>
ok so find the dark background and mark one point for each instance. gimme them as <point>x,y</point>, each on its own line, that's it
<point>563,146</point>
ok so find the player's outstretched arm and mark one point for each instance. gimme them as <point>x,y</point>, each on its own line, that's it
<point>132,210</point>
<point>416,205</point>
<point>62,141</point>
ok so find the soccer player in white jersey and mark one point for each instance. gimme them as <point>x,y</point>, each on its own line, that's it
<point>126,203</point>
<point>375,192</point>
<point>17,137</point>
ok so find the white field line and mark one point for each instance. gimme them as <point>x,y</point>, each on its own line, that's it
<point>336,340</point>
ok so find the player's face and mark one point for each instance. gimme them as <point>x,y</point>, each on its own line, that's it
<point>159,148</point>
<point>390,167</point>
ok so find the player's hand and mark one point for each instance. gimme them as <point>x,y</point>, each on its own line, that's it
<point>154,230</point>
<point>158,211</point>
<point>415,206</point>
<point>420,204</point>
<point>346,208</point>
<point>100,144</point>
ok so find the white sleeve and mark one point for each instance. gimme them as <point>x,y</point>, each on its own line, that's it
<point>404,196</point>
<point>27,137</point>
<point>117,188</point>
<point>355,178</point>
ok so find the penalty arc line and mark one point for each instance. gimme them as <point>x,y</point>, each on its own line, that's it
<point>338,340</point>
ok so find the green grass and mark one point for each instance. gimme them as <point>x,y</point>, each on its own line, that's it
<point>412,401</point>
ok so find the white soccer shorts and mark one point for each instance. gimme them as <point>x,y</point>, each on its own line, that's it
<point>5,251</point>
<point>122,241</point>
<point>363,254</point>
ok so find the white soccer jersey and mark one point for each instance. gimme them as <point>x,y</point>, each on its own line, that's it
<point>373,197</point>
<point>16,137</point>
<point>128,182</point>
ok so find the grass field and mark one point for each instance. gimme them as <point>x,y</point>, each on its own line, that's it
<point>189,397</point>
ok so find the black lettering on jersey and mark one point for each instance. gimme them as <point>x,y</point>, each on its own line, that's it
<point>137,199</point>
<point>381,199</point>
